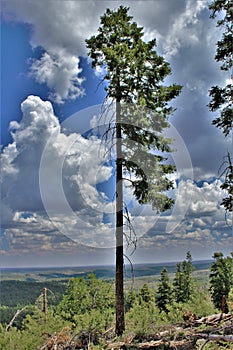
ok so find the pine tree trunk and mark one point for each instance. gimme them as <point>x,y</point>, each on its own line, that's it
<point>120,312</point>
<point>45,301</point>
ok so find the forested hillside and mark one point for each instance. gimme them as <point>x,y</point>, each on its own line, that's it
<point>15,293</point>
<point>176,311</point>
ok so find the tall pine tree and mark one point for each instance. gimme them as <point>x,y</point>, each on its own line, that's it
<point>187,267</point>
<point>182,284</point>
<point>164,292</point>
<point>134,73</point>
<point>178,284</point>
<point>146,293</point>
<point>221,279</point>
<point>221,97</point>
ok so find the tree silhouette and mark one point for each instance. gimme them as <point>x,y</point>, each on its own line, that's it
<point>182,284</point>
<point>134,73</point>
<point>164,292</point>
<point>221,279</point>
<point>221,97</point>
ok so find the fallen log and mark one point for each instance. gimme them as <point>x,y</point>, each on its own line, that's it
<point>151,344</point>
<point>216,337</point>
<point>173,344</point>
<point>147,345</point>
<point>213,319</point>
<point>116,345</point>
<point>154,344</point>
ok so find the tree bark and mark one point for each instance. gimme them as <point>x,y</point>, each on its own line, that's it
<point>120,312</point>
<point>45,301</point>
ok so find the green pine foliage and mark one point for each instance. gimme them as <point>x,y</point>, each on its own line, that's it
<point>146,319</point>
<point>221,279</point>
<point>130,298</point>
<point>182,284</point>
<point>142,319</point>
<point>14,293</point>
<point>134,76</point>
<point>178,284</point>
<point>164,292</point>
<point>87,308</point>
<point>221,97</point>
<point>7,313</point>
<point>33,334</point>
<point>187,269</point>
<point>146,294</point>
<point>88,304</point>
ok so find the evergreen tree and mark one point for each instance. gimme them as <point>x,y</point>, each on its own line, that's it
<point>178,284</point>
<point>182,284</point>
<point>130,299</point>
<point>146,294</point>
<point>85,295</point>
<point>221,279</point>
<point>187,268</point>
<point>134,75</point>
<point>221,97</point>
<point>164,292</point>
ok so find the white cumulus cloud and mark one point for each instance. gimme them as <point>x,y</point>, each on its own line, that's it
<point>60,29</point>
<point>39,136</point>
<point>183,30</point>
<point>203,224</point>
<point>60,71</point>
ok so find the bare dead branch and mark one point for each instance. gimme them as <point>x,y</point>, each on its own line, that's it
<point>132,269</point>
<point>13,318</point>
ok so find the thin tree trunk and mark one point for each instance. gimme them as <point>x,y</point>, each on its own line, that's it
<point>120,312</point>
<point>45,301</point>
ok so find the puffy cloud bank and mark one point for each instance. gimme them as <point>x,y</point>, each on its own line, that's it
<point>60,29</point>
<point>50,197</point>
<point>28,183</point>
<point>60,72</point>
<point>187,37</point>
<point>185,34</point>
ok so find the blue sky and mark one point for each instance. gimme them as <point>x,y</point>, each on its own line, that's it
<point>49,94</point>
<point>16,55</point>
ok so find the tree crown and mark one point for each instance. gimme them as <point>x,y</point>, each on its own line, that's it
<point>134,73</point>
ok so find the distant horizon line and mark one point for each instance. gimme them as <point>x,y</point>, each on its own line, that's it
<point>101,265</point>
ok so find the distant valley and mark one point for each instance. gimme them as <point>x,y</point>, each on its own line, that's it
<point>104,272</point>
